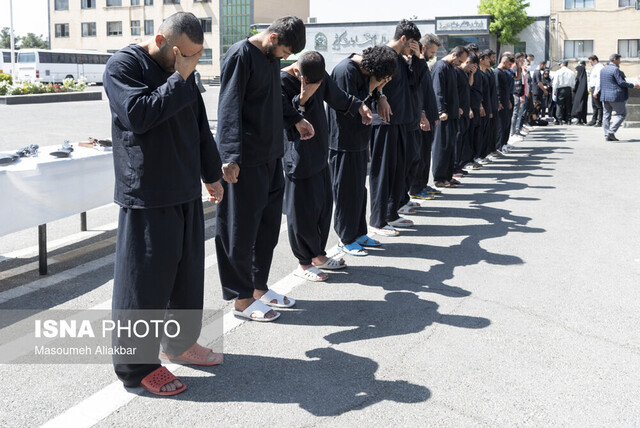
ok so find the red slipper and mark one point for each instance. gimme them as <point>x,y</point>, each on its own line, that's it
<point>158,378</point>
<point>196,355</point>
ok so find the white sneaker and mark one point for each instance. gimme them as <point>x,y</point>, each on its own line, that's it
<point>384,231</point>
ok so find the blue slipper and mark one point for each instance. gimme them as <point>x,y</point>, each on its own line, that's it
<point>354,249</point>
<point>365,241</point>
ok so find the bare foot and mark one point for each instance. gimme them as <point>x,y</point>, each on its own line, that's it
<point>242,304</point>
<point>171,386</point>
<point>322,275</point>
<point>320,260</point>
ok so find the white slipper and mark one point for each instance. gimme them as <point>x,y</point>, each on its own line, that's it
<point>310,274</point>
<point>401,222</point>
<point>332,264</point>
<point>406,209</point>
<point>412,204</point>
<point>279,298</point>
<point>256,312</point>
<point>384,231</point>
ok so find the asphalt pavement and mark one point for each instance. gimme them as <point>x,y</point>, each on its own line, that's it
<point>513,301</point>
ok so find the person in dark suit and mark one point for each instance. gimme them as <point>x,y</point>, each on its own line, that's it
<point>580,95</point>
<point>614,92</point>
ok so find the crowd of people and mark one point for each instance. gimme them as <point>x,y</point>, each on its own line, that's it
<point>295,140</point>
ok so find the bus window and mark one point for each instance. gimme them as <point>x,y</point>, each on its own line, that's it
<point>27,57</point>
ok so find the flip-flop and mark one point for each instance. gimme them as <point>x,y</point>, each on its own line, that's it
<point>197,355</point>
<point>256,312</point>
<point>332,264</point>
<point>354,249</point>
<point>365,241</point>
<point>385,230</point>
<point>158,378</point>
<point>279,298</point>
<point>310,274</point>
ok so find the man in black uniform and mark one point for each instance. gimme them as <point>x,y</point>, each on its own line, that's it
<point>502,79</point>
<point>306,86</point>
<point>250,129</point>
<point>426,102</point>
<point>162,148</point>
<point>448,102</point>
<point>389,134</point>
<point>462,150</point>
<point>363,76</point>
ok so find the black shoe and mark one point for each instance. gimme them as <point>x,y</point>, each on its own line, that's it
<point>599,125</point>
<point>612,137</point>
<point>591,124</point>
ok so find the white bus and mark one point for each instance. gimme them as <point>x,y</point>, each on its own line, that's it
<point>56,65</point>
<point>5,60</point>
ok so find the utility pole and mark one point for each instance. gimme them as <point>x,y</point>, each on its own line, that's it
<point>13,45</point>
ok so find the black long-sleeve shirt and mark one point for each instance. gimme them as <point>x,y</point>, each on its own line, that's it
<point>303,159</point>
<point>464,91</point>
<point>492,90</point>
<point>162,145</point>
<point>398,91</point>
<point>347,133</point>
<point>487,99</point>
<point>425,100</point>
<point>445,89</point>
<point>250,111</point>
<point>502,78</point>
<point>476,90</point>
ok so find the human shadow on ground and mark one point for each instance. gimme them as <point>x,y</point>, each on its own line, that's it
<point>329,383</point>
<point>400,313</point>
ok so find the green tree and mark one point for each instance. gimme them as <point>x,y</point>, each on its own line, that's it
<point>34,42</point>
<point>5,39</point>
<point>508,18</point>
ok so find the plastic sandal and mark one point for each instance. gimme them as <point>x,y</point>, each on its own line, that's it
<point>365,241</point>
<point>401,222</point>
<point>386,230</point>
<point>197,355</point>
<point>332,264</point>
<point>256,312</point>
<point>279,298</point>
<point>154,381</point>
<point>406,210</point>
<point>354,249</point>
<point>310,274</point>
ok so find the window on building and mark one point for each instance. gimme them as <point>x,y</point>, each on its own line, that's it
<point>135,2</point>
<point>148,27</point>
<point>626,3</point>
<point>629,48</point>
<point>114,2</point>
<point>579,4</point>
<point>62,30</point>
<point>206,24</point>
<point>135,28</point>
<point>235,20</point>
<point>578,48</point>
<point>148,2</point>
<point>61,5</point>
<point>88,4</point>
<point>171,1</point>
<point>207,57</point>
<point>88,29</point>
<point>114,28</point>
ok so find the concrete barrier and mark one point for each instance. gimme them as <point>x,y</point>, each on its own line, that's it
<point>633,109</point>
<point>50,98</point>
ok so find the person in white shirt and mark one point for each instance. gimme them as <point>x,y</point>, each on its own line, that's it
<point>594,89</point>
<point>563,83</point>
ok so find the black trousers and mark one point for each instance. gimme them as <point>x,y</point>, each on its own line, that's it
<point>463,150</point>
<point>412,162</point>
<point>444,140</point>
<point>387,177</point>
<point>489,135</point>
<point>349,185</point>
<point>596,104</point>
<point>476,136</point>
<point>247,229</point>
<point>424,166</point>
<point>159,265</point>
<point>308,203</point>
<point>504,127</point>
<point>563,105</point>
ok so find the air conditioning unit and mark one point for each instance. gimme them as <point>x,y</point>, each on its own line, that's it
<point>312,20</point>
